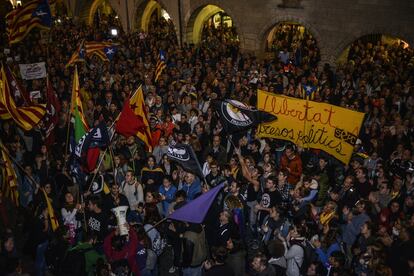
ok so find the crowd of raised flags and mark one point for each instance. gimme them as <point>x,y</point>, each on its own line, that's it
<point>88,141</point>
<point>21,21</point>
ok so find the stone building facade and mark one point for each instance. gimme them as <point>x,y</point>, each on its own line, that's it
<point>334,23</point>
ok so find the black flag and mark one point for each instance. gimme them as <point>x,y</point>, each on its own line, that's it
<point>97,137</point>
<point>87,149</point>
<point>237,117</point>
<point>184,155</point>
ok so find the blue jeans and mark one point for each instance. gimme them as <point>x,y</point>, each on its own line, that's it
<point>40,262</point>
<point>192,271</point>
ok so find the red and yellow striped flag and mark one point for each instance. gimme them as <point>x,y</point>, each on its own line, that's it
<point>160,65</point>
<point>53,219</point>
<point>104,50</point>
<point>25,117</point>
<point>78,55</point>
<point>21,21</point>
<point>9,185</point>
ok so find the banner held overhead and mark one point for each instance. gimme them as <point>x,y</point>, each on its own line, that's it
<point>330,128</point>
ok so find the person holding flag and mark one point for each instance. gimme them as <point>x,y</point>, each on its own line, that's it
<point>191,185</point>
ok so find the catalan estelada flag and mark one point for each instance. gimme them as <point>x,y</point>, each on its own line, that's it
<point>25,117</point>
<point>160,65</point>
<point>21,21</point>
<point>104,50</point>
<point>78,55</point>
<point>308,92</point>
<point>133,120</point>
<point>9,185</point>
<point>76,110</point>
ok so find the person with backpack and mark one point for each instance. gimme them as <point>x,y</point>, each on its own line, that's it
<point>56,250</point>
<point>82,258</point>
<point>194,249</point>
<point>276,252</point>
<point>133,190</point>
<point>299,253</point>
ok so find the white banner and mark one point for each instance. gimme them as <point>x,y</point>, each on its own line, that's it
<point>33,71</point>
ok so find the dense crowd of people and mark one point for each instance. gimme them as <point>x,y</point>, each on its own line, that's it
<point>284,210</point>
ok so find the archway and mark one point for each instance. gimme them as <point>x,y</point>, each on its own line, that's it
<point>150,12</point>
<point>59,8</point>
<point>101,10</point>
<point>292,42</point>
<point>210,19</point>
<point>372,42</point>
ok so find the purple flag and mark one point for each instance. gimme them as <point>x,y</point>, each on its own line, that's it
<point>195,210</point>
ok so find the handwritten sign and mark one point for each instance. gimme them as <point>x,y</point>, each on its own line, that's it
<point>311,124</point>
<point>33,71</point>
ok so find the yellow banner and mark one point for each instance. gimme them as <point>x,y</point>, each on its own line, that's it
<point>311,124</point>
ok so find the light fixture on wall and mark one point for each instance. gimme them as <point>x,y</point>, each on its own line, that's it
<point>165,14</point>
<point>114,32</point>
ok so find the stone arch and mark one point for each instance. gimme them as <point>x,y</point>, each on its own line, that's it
<point>94,7</point>
<point>63,5</point>
<point>144,11</point>
<point>198,15</point>
<point>359,33</point>
<point>264,33</point>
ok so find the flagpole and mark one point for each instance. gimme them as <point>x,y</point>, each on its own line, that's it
<point>110,145</point>
<point>69,122</point>
<point>156,224</point>
<point>32,181</point>
<point>111,152</point>
<point>198,164</point>
<point>103,156</point>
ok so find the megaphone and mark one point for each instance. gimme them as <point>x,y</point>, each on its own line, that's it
<point>120,214</point>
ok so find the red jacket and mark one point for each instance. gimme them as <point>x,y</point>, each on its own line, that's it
<point>295,168</point>
<point>128,252</point>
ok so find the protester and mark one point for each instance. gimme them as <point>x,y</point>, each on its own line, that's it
<point>285,209</point>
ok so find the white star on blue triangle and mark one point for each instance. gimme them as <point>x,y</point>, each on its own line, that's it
<point>110,52</point>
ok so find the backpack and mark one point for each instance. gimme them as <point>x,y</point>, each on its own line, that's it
<point>309,256</point>
<point>73,262</point>
<point>279,269</point>
<point>54,255</point>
